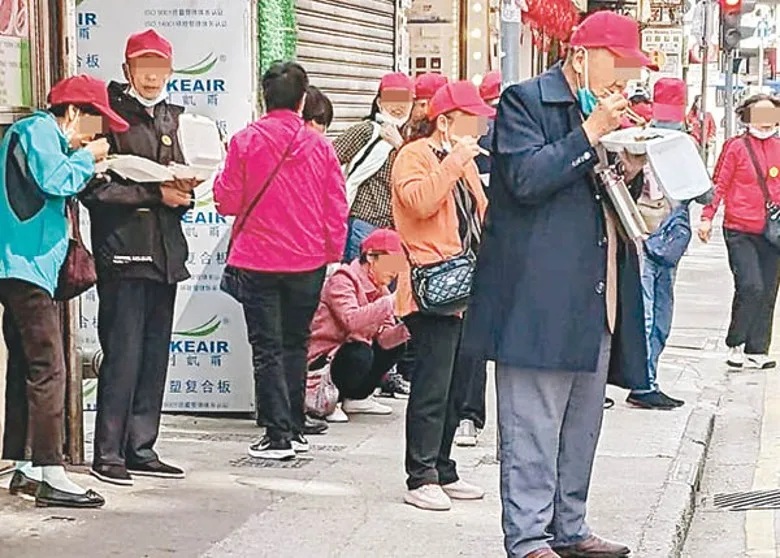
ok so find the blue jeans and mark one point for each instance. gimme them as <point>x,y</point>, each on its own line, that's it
<point>658,294</point>
<point>356,233</point>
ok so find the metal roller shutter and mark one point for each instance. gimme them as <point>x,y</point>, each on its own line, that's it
<point>346,47</point>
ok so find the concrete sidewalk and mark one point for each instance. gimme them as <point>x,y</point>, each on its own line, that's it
<point>345,498</point>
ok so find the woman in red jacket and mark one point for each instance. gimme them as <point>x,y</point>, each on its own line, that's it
<point>753,260</point>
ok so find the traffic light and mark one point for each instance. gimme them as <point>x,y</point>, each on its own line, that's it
<point>730,19</point>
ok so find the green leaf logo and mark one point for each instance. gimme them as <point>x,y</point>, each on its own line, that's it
<point>200,68</point>
<point>205,201</point>
<point>203,330</point>
<point>90,389</point>
<point>79,2</point>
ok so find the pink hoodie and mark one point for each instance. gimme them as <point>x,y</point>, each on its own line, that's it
<point>300,224</point>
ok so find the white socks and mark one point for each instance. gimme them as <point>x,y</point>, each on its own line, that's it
<point>54,476</point>
<point>27,469</point>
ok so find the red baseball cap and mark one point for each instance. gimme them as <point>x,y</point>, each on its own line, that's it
<point>397,81</point>
<point>426,85</point>
<point>670,99</point>
<point>382,240</point>
<point>644,109</point>
<point>86,90</point>
<point>148,42</point>
<point>616,33</point>
<point>460,95</point>
<point>490,88</point>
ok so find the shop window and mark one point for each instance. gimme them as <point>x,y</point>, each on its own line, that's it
<point>16,79</point>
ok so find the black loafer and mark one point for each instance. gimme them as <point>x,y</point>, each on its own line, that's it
<point>156,469</point>
<point>49,497</point>
<point>22,485</point>
<point>112,474</point>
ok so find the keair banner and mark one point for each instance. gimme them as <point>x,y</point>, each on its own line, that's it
<point>210,360</point>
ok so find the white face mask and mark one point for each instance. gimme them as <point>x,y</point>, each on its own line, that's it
<point>147,103</point>
<point>761,134</point>
<point>70,131</point>
<point>385,118</point>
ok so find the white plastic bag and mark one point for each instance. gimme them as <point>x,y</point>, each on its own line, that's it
<point>322,395</point>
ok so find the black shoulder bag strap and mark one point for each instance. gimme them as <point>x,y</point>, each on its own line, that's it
<point>759,172</point>
<point>241,221</point>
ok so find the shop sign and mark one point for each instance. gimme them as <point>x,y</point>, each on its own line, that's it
<point>210,366</point>
<point>666,12</point>
<point>666,45</point>
<point>15,69</point>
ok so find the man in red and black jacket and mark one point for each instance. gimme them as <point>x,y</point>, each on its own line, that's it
<point>140,252</point>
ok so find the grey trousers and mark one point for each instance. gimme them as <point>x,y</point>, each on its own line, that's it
<point>550,423</point>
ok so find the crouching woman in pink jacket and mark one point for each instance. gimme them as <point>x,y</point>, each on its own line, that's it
<point>355,328</point>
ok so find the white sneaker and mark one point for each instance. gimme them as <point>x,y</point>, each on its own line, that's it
<point>299,444</point>
<point>429,497</point>
<point>759,362</point>
<point>367,406</point>
<point>461,490</point>
<point>338,415</point>
<point>736,358</point>
<point>466,435</point>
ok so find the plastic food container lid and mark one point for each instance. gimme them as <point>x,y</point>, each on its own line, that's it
<point>200,141</point>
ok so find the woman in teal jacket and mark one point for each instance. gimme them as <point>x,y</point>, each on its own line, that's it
<point>45,159</point>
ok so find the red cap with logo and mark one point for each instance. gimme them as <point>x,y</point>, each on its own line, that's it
<point>490,88</point>
<point>616,33</point>
<point>426,85</point>
<point>148,42</point>
<point>397,81</point>
<point>86,90</point>
<point>460,95</point>
<point>670,98</point>
<point>385,241</point>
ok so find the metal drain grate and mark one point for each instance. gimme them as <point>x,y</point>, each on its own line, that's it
<point>253,463</point>
<point>744,501</point>
<point>212,437</point>
<point>329,448</point>
<point>245,438</point>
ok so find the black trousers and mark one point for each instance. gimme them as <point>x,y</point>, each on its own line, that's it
<point>471,394</point>
<point>406,362</point>
<point>432,414</point>
<point>278,309</point>
<point>357,368</point>
<point>755,265</point>
<point>35,377</point>
<point>135,319</point>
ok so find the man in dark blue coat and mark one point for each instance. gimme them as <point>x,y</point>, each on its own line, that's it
<point>557,296</point>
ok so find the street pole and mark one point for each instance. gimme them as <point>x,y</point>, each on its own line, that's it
<point>510,74</point>
<point>705,64</point>
<point>510,42</point>
<point>729,87</point>
<point>761,27</point>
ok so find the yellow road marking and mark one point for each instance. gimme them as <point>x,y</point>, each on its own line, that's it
<point>760,525</point>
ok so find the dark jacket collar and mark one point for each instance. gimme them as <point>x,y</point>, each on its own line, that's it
<point>555,88</point>
<point>128,107</point>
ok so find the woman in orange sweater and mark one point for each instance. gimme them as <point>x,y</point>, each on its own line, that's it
<point>438,206</point>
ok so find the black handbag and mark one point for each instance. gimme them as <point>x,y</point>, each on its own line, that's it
<point>444,288</point>
<point>772,227</point>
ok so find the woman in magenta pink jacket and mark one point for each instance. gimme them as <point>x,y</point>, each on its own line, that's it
<point>355,328</point>
<point>283,183</point>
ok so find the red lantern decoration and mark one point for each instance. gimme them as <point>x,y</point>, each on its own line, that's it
<point>554,18</point>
